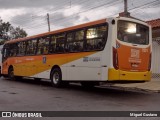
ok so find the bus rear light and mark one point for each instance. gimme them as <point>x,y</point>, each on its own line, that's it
<point>115,58</point>
<point>149,65</point>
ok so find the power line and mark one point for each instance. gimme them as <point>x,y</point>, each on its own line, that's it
<point>42,15</point>
<point>83,11</point>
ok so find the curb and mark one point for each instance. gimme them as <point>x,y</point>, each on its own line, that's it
<point>131,89</point>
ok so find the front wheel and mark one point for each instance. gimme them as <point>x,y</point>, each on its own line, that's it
<point>56,77</point>
<point>11,74</point>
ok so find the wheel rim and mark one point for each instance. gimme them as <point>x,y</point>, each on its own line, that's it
<point>56,77</point>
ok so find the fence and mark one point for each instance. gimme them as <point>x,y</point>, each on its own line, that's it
<point>156,58</point>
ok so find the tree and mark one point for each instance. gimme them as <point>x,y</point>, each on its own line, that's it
<point>8,32</point>
<point>17,32</point>
<point>4,29</point>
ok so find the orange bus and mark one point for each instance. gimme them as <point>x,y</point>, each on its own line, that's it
<point>108,50</point>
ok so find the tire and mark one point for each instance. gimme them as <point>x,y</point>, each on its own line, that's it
<point>11,74</point>
<point>56,78</point>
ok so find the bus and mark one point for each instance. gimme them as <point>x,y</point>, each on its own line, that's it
<point>108,50</point>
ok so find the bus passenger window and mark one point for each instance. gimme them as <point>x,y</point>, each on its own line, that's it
<point>13,49</point>
<point>75,41</point>
<point>52,45</point>
<point>57,43</point>
<point>79,35</point>
<point>96,38</point>
<point>43,45</point>
<point>31,47</point>
<point>21,48</point>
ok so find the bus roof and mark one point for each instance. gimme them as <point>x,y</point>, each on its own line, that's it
<point>59,31</point>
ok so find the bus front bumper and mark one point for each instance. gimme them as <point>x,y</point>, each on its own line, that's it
<point>119,75</point>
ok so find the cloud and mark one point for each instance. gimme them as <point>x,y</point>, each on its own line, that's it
<point>8,14</point>
<point>7,4</point>
<point>74,9</point>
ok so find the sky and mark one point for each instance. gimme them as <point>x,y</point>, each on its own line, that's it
<point>31,15</point>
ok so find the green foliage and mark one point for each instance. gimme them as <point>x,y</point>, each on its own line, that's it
<point>8,32</point>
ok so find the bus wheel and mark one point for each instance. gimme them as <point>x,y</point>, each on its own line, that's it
<point>56,77</point>
<point>11,74</point>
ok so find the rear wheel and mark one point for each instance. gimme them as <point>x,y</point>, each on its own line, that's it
<point>56,77</point>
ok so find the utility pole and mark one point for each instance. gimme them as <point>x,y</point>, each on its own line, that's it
<point>48,22</point>
<point>125,7</point>
<point>126,13</point>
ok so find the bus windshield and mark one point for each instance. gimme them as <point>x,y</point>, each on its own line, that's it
<point>134,33</point>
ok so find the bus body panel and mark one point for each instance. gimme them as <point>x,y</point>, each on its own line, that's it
<point>85,68</point>
<point>134,59</point>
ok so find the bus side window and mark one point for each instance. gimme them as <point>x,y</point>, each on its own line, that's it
<point>13,49</point>
<point>69,44</point>
<point>31,47</point>
<point>79,38</point>
<point>96,38</point>
<point>57,43</point>
<point>53,44</point>
<point>21,48</point>
<point>75,41</point>
<point>43,45</point>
